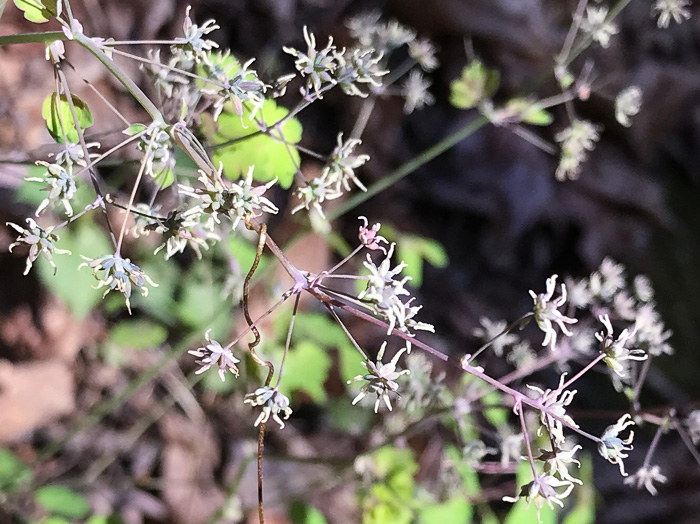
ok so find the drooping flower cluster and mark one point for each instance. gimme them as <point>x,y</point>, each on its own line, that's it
<point>546,312</point>
<point>191,47</point>
<point>615,351</point>
<point>577,141</point>
<point>60,185</point>
<point>235,200</point>
<point>554,416</point>
<point>627,103</point>
<point>335,178</point>
<point>493,332</point>
<point>544,489</point>
<point>645,478</point>
<point>214,354</point>
<point>380,378</point>
<point>232,84</point>
<point>611,447</point>
<point>40,241</point>
<point>273,404</point>
<point>383,294</point>
<point>667,10</point>
<point>117,273</point>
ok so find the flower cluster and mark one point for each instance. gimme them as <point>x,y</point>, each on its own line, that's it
<point>273,404</point>
<point>493,332</point>
<point>233,200</point>
<point>615,351</point>
<point>671,9</point>
<point>193,45</point>
<point>627,103</point>
<point>546,312</point>
<point>40,242</point>
<point>554,416</point>
<point>415,91</point>
<point>335,177</point>
<point>117,273</point>
<point>645,478</point>
<point>598,26</point>
<point>611,447</point>
<point>544,489</point>
<point>233,84</point>
<point>380,378</point>
<point>383,293</point>
<point>60,185</point>
<point>577,141</point>
<point>214,354</point>
<point>179,230</point>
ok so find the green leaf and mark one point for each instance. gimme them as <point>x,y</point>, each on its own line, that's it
<point>344,416</point>
<point>413,250</point>
<point>454,511</point>
<point>73,286</point>
<point>325,332</point>
<point>470,479</point>
<point>62,501</point>
<point>271,157</point>
<point>13,471</point>
<point>496,416</point>
<point>476,84</point>
<point>134,129</point>
<point>301,513</point>
<point>387,514</point>
<point>39,11</point>
<point>138,334</point>
<point>306,369</point>
<point>59,117</point>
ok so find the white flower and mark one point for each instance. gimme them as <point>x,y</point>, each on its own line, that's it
<point>317,65</point>
<point>609,278</point>
<point>615,350</point>
<point>554,416</point>
<point>576,141</point>
<point>213,353</point>
<point>237,201</point>
<point>544,489</point>
<point>381,378</point>
<point>511,447</point>
<point>340,169</point>
<point>415,91</point>
<point>546,312</point>
<point>274,403</point>
<point>612,447</point>
<point>645,478</point>
<point>558,461</point>
<point>56,51</point>
<point>597,25</point>
<point>667,9</point>
<point>383,295</point>
<point>118,273</point>
<point>492,332</point>
<point>423,52</point>
<point>628,103</point>
<point>40,242</point>
<point>60,184</point>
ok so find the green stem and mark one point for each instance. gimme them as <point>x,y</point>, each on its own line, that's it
<point>45,37</point>
<point>409,167</point>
